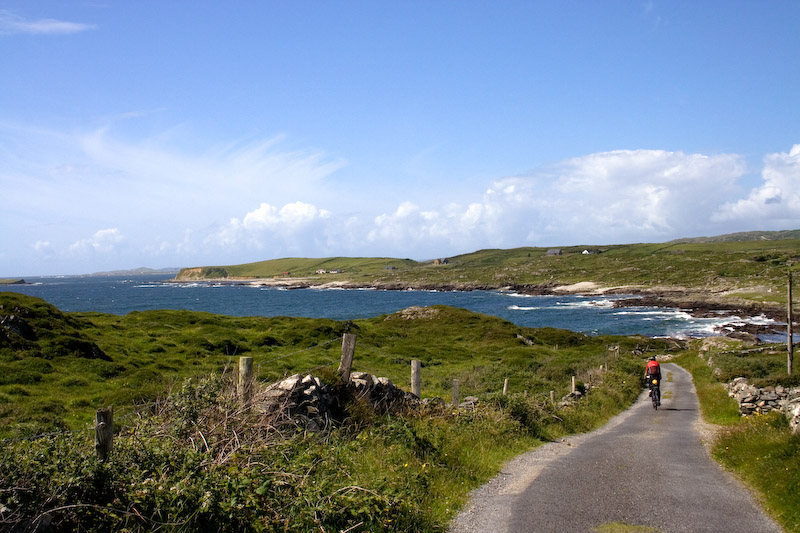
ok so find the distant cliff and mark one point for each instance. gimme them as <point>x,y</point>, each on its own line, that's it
<point>198,273</point>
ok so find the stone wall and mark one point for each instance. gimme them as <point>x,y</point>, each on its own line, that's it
<point>753,400</point>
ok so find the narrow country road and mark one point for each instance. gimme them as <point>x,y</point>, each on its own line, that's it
<point>644,468</point>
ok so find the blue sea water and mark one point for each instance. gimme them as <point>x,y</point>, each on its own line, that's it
<point>588,314</point>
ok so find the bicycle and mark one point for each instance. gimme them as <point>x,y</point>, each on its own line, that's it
<point>655,392</point>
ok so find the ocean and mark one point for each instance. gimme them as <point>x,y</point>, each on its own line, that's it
<point>594,315</point>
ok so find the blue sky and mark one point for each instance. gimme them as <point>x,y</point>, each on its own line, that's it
<point>185,134</point>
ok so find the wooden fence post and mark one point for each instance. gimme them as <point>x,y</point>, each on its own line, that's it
<point>416,378</point>
<point>552,396</point>
<point>245,385</point>
<point>789,334</point>
<point>505,387</point>
<point>572,389</point>
<point>104,432</point>
<point>455,393</point>
<point>348,350</point>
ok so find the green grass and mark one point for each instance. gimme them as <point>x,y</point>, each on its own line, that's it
<point>194,460</point>
<point>405,472</point>
<point>759,449</point>
<point>763,452</point>
<point>79,362</point>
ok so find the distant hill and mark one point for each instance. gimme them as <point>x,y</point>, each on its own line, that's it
<point>137,272</point>
<point>747,267</point>
<point>745,236</point>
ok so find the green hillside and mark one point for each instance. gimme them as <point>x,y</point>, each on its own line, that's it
<point>729,268</point>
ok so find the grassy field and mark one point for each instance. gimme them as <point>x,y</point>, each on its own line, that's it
<point>193,460</point>
<point>752,271</point>
<point>188,458</point>
<point>73,363</point>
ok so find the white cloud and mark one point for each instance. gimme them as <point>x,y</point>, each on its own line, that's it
<point>775,204</point>
<point>608,197</point>
<point>103,241</point>
<point>622,195</point>
<point>289,218</point>
<point>11,23</point>
<point>182,208</point>
<point>297,227</point>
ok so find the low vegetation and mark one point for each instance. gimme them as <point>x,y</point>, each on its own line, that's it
<point>193,459</point>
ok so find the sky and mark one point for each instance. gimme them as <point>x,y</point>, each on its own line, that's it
<point>179,134</point>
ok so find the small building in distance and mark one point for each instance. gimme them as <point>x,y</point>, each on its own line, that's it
<point>553,251</point>
<point>444,261</point>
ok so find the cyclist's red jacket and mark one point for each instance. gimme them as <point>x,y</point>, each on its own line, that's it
<point>652,369</point>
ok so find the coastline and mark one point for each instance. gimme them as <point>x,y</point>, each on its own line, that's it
<point>699,304</point>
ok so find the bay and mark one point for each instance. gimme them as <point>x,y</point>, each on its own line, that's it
<point>594,315</point>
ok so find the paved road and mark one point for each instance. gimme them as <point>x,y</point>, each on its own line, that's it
<point>646,468</point>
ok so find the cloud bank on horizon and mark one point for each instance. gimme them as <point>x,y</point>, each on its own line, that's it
<point>88,184</point>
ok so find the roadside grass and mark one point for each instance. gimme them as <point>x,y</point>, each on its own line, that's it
<point>759,449</point>
<point>763,452</point>
<point>715,404</point>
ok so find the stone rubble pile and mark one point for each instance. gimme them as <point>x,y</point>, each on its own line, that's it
<point>753,399</point>
<point>574,397</point>
<point>381,393</point>
<point>310,403</point>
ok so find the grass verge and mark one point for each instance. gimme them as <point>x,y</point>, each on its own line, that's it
<point>760,449</point>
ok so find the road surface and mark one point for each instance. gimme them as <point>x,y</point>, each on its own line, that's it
<point>645,468</point>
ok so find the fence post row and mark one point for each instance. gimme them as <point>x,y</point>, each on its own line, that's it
<point>104,432</point>
<point>416,379</point>
<point>348,350</point>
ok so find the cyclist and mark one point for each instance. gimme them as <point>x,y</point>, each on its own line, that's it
<point>653,371</point>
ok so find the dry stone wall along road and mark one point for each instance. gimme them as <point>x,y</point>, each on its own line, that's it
<point>645,468</point>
